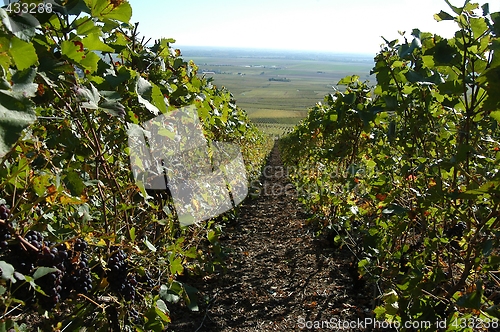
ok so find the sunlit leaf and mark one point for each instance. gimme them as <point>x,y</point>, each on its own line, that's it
<point>94,43</point>
<point>176,266</point>
<point>105,9</point>
<point>495,115</point>
<point>73,49</point>
<point>23,54</point>
<point>149,245</point>
<point>443,16</point>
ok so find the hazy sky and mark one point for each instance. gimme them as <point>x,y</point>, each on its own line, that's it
<point>329,25</point>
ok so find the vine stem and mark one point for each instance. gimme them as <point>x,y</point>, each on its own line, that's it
<point>100,159</point>
<point>26,243</point>
<point>18,236</point>
<point>92,301</point>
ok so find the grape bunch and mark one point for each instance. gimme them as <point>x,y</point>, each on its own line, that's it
<point>69,268</point>
<point>78,276</point>
<point>4,212</point>
<point>5,234</point>
<point>72,274</point>
<point>49,256</point>
<point>35,238</point>
<point>119,279</point>
<point>51,285</point>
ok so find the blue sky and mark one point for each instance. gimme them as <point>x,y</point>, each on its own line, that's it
<point>350,26</point>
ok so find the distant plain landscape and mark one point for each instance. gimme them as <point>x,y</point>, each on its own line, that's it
<point>277,88</point>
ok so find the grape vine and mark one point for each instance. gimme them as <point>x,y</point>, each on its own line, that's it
<point>79,238</point>
<point>405,172</point>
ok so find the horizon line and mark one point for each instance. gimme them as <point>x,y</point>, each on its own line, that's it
<point>249,48</point>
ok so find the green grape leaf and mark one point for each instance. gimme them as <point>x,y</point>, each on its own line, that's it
<point>443,16</point>
<point>472,300</point>
<point>144,90</point>
<point>23,53</point>
<point>85,26</point>
<point>479,26</point>
<point>120,40</point>
<point>176,265</point>
<point>111,103</point>
<point>132,234</point>
<point>73,49</point>
<point>71,7</point>
<point>94,43</point>
<point>171,294</point>
<point>104,9</point>
<point>74,183</point>
<point>158,98</point>
<point>162,307</point>
<point>5,57</point>
<point>41,183</point>
<point>191,297</point>
<point>23,83</point>
<point>42,271</point>
<point>405,51</point>
<point>495,115</point>
<point>22,26</point>
<point>493,310</point>
<point>17,112</point>
<point>7,271</point>
<point>457,10</point>
<point>379,312</point>
<point>495,17</point>
<point>348,80</point>
<point>149,245</point>
<point>89,98</point>
<point>90,62</point>
<point>122,76</point>
<point>122,12</point>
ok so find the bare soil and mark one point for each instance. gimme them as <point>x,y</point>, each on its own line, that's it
<point>280,277</point>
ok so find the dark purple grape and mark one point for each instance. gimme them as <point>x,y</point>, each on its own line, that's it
<point>4,212</point>
<point>80,245</point>
<point>119,279</point>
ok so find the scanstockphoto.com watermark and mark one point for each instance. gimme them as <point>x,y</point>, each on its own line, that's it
<point>269,172</point>
<point>279,188</point>
<point>337,324</point>
<point>170,153</point>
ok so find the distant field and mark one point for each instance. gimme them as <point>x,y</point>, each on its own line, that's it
<point>277,87</point>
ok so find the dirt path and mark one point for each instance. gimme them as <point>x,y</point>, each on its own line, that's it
<point>280,278</point>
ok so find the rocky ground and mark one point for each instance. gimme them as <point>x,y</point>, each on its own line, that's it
<point>280,277</point>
